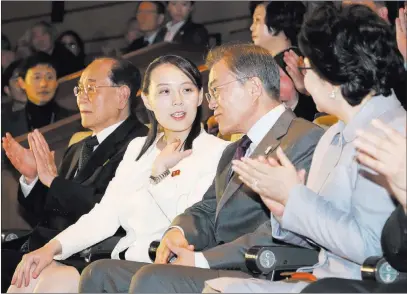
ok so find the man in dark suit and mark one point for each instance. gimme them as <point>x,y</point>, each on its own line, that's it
<point>59,198</point>
<point>181,28</point>
<point>150,16</point>
<point>244,93</point>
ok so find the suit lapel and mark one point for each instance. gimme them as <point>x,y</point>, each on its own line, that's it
<point>75,160</point>
<point>107,149</point>
<point>266,147</point>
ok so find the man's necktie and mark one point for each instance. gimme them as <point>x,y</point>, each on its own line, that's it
<point>240,152</point>
<point>86,151</point>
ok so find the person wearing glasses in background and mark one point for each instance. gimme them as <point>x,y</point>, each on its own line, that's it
<point>58,197</point>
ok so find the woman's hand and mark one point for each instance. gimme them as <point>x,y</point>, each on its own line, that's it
<point>35,261</point>
<point>385,155</point>
<point>169,157</point>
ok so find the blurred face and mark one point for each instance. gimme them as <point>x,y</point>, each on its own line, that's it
<point>41,39</point>
<point>179,10</point>
<point>14,90</point>
<point>287,88</point>
<point>40,84</point>
<point>148,18</point>
<point>319,90</point>
<point>231,101</point>
<point>70,43</point>
<point>133,32</point>
<point>100,103</point>
<point>173,98</point>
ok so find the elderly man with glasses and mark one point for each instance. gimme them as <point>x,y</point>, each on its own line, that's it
<point>58,197</point>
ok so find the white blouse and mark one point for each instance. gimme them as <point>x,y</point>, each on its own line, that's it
<point>144,210</point>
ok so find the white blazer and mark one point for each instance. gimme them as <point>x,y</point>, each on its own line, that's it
<point>144,210</point>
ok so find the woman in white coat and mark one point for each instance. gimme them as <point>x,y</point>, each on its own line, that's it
<point>159,177</point>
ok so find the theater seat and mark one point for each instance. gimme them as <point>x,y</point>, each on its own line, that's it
<point>79,136</point>
<point>325,121</point>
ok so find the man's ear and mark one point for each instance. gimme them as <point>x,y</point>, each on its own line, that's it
<point>255,87</point>
<point>124,96</point>
<point>146,102</point>
<point>21,83</point>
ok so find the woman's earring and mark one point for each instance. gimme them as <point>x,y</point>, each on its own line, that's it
<point>333,94</point>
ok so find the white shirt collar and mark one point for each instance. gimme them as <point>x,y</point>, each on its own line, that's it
<point>260,129</point>
<point>151,39</point>
<point>103,134</point>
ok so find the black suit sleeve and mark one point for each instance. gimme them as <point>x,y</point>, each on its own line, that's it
<point>198,221</point>
<point>34,202</point>
<point>394,239</point>
<point>200,36</point>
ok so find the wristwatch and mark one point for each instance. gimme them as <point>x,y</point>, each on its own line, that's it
<point>159,178</point>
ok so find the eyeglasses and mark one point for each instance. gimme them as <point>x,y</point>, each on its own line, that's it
<point>89,89</point>
<point>215,94</point>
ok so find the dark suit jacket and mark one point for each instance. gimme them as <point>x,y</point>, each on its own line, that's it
<point>394,239</point>
<point>189,33</point>
<point>232,218</point>
<point>305,108</point>
<point>141,43</point>
<point>69,197</point>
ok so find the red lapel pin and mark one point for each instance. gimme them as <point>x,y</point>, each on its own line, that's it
<point>175,173</point>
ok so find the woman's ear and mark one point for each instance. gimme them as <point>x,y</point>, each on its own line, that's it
<point>146,102</point>
<point>200,97</point>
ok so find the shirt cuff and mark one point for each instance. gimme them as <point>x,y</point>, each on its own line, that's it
<point>26,188</point>
<point>178,227</point>
<point>200,260</point>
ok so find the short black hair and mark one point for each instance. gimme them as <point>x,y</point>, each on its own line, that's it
<point>5,43</point>
<point>285,16</point>
<point>36,59</point>
<point>248,60</point>
<point>9,72</point>
<point>353,47</point>
<point>125,73</point>
<point>160,7</point>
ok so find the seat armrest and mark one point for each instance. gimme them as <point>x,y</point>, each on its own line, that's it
<point>266,259</point>
<point>376,268</point>
<point>12,234</point>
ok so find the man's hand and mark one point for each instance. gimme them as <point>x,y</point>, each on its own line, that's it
<point>293,60</point>
<point>44,158</point>
<point>21,158</point>
<point>176,238</point>
<point>185,256</point>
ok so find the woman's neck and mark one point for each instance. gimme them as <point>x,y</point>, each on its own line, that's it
<point>171,136</point>
<point>348,112</point>
<point>278,47</point>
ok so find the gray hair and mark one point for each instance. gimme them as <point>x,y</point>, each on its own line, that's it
<point>248,61</point>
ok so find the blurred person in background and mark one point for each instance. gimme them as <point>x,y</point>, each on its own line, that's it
<point>74,43</point>
<point>275,27</point>
<point>42,39</point>
<point>11,87</point>
<point>150,16</point>
<point>23,47</point>
<point>7,55</point>
<point>181,28</point>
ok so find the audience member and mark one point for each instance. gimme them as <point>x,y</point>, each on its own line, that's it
<point>7,55</point>
<point>23,47</point>
<point>59,198</point>
<point>38,79</point>
<point>339,202</point>
<point>181,28</point>
<point>12,89</point>
<point>380,154</point>
<point>150,16</point>
<point>159,177</point>
<point>275,27</point>
<point>74,44</point>
<point>229,218</point>
<point>42,40</point>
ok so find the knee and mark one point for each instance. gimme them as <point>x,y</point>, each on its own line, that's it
<point>148,280</point>
<point>92,276</point>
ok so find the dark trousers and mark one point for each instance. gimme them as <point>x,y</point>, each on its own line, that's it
<point>335,285</point>
<point>121,276</point>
